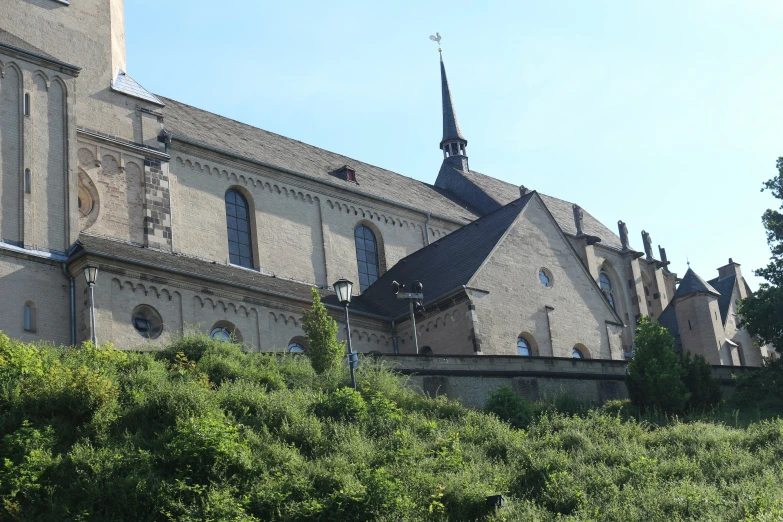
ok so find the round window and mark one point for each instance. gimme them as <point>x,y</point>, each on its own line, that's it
<point>220,334</point>
<point>147,321</point>
<point>545,276</point>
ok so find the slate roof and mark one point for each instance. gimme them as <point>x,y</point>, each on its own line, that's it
<point>256,144</point>
<point>10,40</point>
<point>125,84</point>
<point>167,261</point>
<point>446,264</point>
<point>725,287</point>
<point>450,124</point>
<point>562,210</point>
<point>668,319</point>
<point>691,283</point>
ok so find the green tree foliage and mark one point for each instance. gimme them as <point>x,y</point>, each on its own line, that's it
<point>321,331</point>
<point>509,406</point>
<point>704,390</point>
<point>655,374</point>
<point>762,313</point>
<point>202,431</point>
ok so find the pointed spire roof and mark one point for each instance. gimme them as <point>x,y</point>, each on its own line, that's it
<point>693,284</point>
<point>451,130</point>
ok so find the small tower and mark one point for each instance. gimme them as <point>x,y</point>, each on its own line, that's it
<point>453,143</point>
<point>701,329</point>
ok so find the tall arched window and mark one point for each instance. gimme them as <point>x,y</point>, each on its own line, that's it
<point>366,256</point>
<point>606,286</point>
<point>240,248</point>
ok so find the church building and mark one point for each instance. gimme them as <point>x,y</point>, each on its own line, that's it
<point>197,221</point>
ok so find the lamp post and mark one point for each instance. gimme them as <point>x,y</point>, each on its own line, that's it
<point>343,288</point>
<point>90,275</point>
<point>414,297</point>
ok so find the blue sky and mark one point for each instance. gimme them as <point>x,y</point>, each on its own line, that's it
<point>664,114</point>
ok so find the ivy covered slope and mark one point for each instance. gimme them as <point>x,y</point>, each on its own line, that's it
<point>203,431</point>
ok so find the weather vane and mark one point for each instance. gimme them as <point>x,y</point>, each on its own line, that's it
<point>436,38</point>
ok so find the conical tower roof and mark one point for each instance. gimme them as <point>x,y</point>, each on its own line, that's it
<point>451,130</point>
<point>693,284</point>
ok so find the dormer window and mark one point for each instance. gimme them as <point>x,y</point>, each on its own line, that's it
<point>345,173</point>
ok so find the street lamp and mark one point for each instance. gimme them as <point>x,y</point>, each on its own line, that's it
<point>414,297</point>
<point>90,275</point>
<point>343,288</point>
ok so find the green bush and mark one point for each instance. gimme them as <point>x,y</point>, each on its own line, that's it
<point>203,431</point>
<point>703,389</point>
<point>655,375</point>
<point>762,388</point>
<point>323,351</point>
<point>510,407</point>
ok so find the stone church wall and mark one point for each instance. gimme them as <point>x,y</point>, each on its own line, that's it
<point>11,180</point>
<point>572,309</point>
<point>299,232</point>
<point>41,284</point>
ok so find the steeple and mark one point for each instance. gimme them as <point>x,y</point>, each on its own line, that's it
<point>453,142</point>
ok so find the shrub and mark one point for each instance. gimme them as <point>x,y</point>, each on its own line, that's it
<point>343,404</point>
<point>703,389</point>
<point>510,407</point>
<point>655,375</point>
<point>762,388</point>
<point>321,330</point>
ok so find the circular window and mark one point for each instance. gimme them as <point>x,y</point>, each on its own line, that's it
<point>295,348</point>
<point>523,347</point>
<point>577,354</point>
<point>545,276</point>
<point>220,334</point>
<point>147,321</point>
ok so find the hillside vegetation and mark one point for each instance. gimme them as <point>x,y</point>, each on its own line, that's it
<point>203,431</point>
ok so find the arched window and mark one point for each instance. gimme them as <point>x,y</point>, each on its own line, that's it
<point>29,317</point>
<point>426,350</point>
<point>523,347</point>
<point>366,256</point>
<point>296,348</point>
<point>576,353</point>
<point>606,286</point>
<point>240,248</point>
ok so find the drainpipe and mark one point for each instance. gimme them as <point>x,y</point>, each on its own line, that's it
<point>427,227</point>
<point>73,304</point>
<point>394,337</point>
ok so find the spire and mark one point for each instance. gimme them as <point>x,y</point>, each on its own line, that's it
<point>451,130</point>
<point>693,284</point>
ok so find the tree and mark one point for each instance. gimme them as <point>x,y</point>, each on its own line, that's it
<point>655,378</point>
<point>321,331</point>
<point>761,314</point>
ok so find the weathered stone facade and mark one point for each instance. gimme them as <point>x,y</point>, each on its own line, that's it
<point>96,170</point>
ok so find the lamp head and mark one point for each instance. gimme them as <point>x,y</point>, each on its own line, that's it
<point>90,274</point>
<point>417,287</point>
<point>396,287</point>
<point>343,288</point>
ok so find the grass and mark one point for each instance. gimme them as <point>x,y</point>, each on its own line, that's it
<point>202,431</point>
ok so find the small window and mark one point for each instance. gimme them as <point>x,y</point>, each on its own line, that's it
<point>545,276</point>
<point>647,291</point>
<point>576,353</point>
<point>523,347</point>
<point>220,334</point>
<point>426,351</point>
<point>147,322</point>
<point>27,104</point>
<point>295,348</point>
<point>689,325</point>
<point>27,181</point>
<point>29,317</point>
